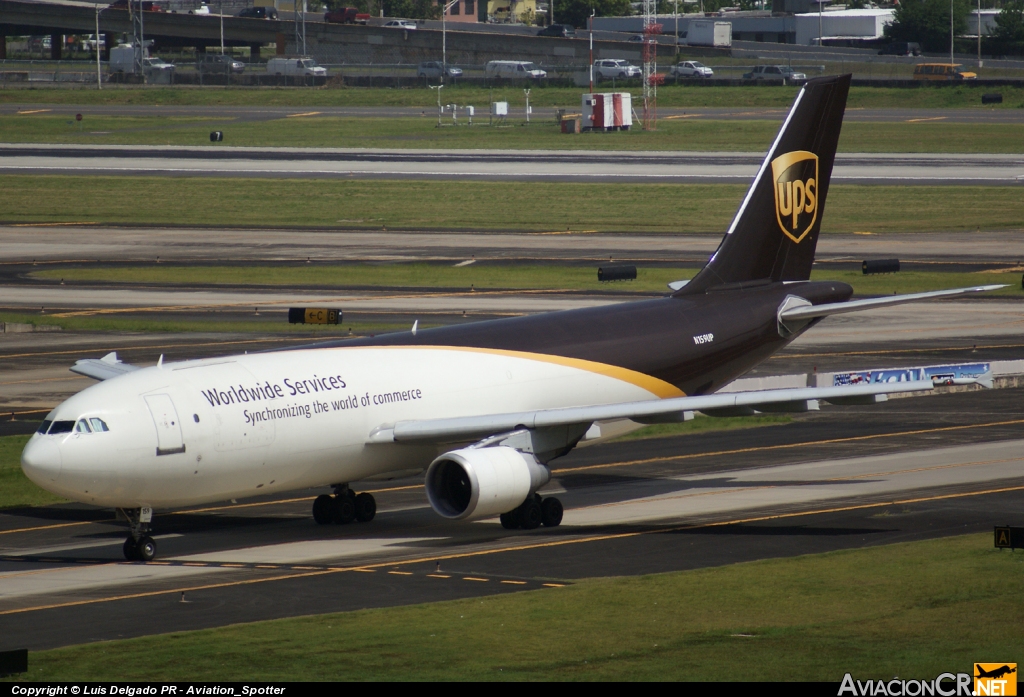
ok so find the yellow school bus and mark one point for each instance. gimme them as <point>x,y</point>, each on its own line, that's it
<point>942,71</point>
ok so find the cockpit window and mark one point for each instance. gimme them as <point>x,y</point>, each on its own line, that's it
<point>44,427</point>
<point>98,425</point>
<point>61,427</point>
<point>82,427</point>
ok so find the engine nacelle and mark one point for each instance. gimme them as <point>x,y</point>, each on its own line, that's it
<point>475,483</point>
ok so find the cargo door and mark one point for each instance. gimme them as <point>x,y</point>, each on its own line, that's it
<point>599,110</point>
<point>168,428</point>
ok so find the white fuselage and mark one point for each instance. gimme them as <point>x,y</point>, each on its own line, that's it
<point>221,428</point>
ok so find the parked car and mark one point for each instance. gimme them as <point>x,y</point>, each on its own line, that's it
<point>259,13</point>
<point>942,71</point>
<point>776,73</point>
<point>212,63</point>
<point>345,15</point>
<point>401,24</point>
<point>301,65</point>
<point>203,9</point>
<point>513,70</point>
<point>691,69</point>
<point>566,31</point>
<point>609,68</point>
<point>436,69</point>
<point>901,48</point>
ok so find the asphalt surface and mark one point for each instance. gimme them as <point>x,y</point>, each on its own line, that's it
<point>863,168</point>
<point>28,247</point>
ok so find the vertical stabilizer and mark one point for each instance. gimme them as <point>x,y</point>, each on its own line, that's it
<point>775,231</point>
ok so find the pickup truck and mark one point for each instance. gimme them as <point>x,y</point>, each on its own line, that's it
<point>345,15</point>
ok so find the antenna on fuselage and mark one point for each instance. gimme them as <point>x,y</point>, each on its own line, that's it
<point>160,361</point>
<point>415,325</point>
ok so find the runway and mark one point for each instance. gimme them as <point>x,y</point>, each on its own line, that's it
<point>45,245</point>
<point>690,167</point>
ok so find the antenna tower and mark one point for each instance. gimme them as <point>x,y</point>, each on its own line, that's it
<point>138,35</point>
<point>650,56</point>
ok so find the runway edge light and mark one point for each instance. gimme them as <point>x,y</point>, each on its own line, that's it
<point>314,315</point>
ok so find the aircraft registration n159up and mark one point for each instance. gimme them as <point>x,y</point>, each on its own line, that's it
<point>498,399</point>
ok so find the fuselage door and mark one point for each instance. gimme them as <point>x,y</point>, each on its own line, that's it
<point>168,428</point>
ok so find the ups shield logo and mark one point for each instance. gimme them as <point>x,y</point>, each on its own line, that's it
<point>796,192</point>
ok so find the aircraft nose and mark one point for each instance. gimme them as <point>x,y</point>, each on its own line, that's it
<point>41,460</point>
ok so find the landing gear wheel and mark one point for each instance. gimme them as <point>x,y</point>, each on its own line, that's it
<point>529,514</point>
<point>509,520</point>
<point>322,513</point>
<point>145,549</point>
<point>365,507</point>
<point>551,512</point>
<point>130,549</point>
<point>344,510</point>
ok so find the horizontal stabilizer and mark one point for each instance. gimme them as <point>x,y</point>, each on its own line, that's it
<point>812,311</point>
<point>675,409</point>
<point>110,366</point>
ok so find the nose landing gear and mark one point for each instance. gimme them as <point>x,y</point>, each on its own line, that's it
<point>344,507</point>
<point>139,546</point>
<point>534,512</point>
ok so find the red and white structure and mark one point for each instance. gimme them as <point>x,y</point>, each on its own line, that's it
<point>607,111</point>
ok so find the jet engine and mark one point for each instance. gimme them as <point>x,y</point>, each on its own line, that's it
<point>474,483</point>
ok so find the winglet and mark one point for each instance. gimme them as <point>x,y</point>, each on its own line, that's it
<point>110,366</point>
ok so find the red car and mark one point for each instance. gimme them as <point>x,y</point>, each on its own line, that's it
<point>147,6</point>
<point>346,15</point>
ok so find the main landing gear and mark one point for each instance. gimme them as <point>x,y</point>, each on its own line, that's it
<point>139,546</point>
<point>344,507</point>
<point>534,512</point>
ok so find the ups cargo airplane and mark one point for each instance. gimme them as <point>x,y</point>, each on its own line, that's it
<point>498,399</point>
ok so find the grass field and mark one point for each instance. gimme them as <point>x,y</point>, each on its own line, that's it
<point>496,276</point>
<point>426,205</point>
<point>960,96</point>
<point>913,610</point>
<point>132,321</point>
<point>335,132</point>
<point>15,488</point>
<point>703,424</point>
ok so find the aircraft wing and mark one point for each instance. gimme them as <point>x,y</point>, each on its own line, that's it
<point>110,366</point>
<point>652,411</point>
<point>811,311</point>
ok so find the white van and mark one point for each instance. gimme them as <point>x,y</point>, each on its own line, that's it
<point>301,65</point>
<point>514,70</point>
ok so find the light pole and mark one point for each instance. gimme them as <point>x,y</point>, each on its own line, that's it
<point>819,23</point>
<point>951,32</point>
<point>677,30</point>
<point>592,12</point>
<point>99,75</point>
<point>979,34</point>
<point>221,13</point>
<point>444,41</point>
